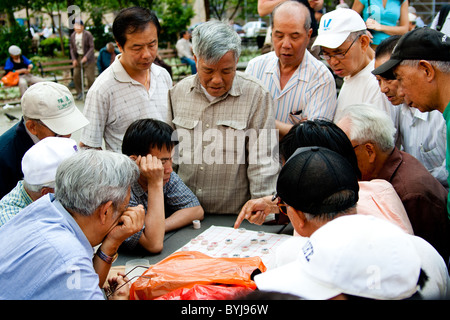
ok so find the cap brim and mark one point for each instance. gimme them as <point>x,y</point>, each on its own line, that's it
<point>291,279</point>
<point>386,70</point>
<point>330,40</point>
<point>67,124</point>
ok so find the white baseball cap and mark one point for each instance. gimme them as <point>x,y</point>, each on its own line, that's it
<point>40,162</point>
<point>53,104</point>
<point>358,255</point>
<point>336,26</point>
<point>14,50</point>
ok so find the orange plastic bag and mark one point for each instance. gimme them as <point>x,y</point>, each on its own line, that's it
<point>187,268</point>
<point>11,79</point>
<point>207,292</point>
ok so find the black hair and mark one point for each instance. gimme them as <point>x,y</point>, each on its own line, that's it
<point>131,20</point>
<point>320,133</point>
<point>145,134</point>
<point>386,46</point>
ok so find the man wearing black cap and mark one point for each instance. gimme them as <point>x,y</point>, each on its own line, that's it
<point>421,64</point>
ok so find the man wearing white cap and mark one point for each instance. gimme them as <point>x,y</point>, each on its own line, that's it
<point>48,110</point>
<point>339,252</point>
<point>39,166</point>
<point>345,46</point>
<point>20,64</point>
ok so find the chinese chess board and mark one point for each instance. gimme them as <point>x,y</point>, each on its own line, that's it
<point>239,243</point>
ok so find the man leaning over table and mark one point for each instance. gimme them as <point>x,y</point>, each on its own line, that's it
<point>46,252</point>
<point>225,124</point>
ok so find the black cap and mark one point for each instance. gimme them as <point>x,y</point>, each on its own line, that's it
<point>311,175</point>
<point>418,44</point>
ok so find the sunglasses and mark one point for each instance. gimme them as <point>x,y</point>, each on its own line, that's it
<point>280,203</point>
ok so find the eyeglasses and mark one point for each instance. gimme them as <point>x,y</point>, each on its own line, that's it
<point>281,205</point>
<point>338,56</point>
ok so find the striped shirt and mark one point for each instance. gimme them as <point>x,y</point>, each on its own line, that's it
<point>424,136</point>
<point>310,92</point>
<point>13,202</point>
<point>115,100</point>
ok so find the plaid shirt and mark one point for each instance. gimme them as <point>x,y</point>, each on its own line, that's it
<point>177,196</point>
<point>13,202</point>
<point>223,173</point>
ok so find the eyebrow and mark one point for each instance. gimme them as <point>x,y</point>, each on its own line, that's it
<point>143,44</point>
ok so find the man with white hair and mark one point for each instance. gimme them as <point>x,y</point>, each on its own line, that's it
<point>17,62</point>
<point>47,250</point>
<point>224,103</point>
<point>371,132</point>
<point>39,166</point>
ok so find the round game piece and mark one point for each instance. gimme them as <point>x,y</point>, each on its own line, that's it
<point>194,241</point>
<point>236,255</point>
<point>200,237</point>
<point>263,241</point>
<point>244,248</point>
<point>264,250</point>
<point>228,241</point>
<point>214,244</point>
<point>261,233</point>
<point>241,230</point>
<point>224,255</point>
<point>254,241</point>
<point>204,242</point>
<point>196,224</point>
<point>210,247</point>
<point>185,248</point>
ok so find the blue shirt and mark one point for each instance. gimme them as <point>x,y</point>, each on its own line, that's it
<point>13,202</point>
<point>45,255</point>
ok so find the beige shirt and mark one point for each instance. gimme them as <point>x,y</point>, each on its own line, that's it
<point>228,150</point>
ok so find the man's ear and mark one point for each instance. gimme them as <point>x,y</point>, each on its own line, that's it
<point>427,69</point>
<point>31,126</point>
<point>133,157</point>
<point>104,210</point>
<point>365,41</point>
<point>371,152</point>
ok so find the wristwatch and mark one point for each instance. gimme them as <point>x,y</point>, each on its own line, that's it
<point>105,257</point>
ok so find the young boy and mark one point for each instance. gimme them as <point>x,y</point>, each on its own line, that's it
<point>168,202</point>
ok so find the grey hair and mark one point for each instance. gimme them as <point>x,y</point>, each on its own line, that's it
<point>92,177</point>
<point>38,187</point>
<point>356,34</point>
<point>443,66</point>
<point>213,39</point>
<point>369,124</point>
<point>305,10</point>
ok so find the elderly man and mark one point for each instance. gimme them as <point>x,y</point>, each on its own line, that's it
<point>17,62</point>
<point>345,46</point>
<point>371,132</point>
<point>82,54</point>
<point>184,50</point>
<point>132,88</point>
<point>48,109</point>
<point>106,56</point>
<point>39,166</point>
<point>301,86</point>
<point>421,134</point>
<point>421,64</point>
<point>47,250</point>
<point>318,189</point>
<point>213,109</point>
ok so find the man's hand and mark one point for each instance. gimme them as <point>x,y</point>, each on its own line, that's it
<point>256,211</point>
<point>131,221</point>
<point>151,168</point>
<point>118,287</point>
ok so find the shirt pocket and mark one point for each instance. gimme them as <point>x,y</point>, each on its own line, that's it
<point>432,158</point>
<point>186,123</point>
<point>234,124</point>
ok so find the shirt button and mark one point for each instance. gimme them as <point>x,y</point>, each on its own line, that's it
<point>207,125</point>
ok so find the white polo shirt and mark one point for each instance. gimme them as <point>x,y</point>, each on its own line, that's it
<point>115,100</point>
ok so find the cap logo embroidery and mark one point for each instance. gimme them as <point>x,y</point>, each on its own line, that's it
<point>326,24</point>
<point>64,103</point>
<point>308,250</point>
<point>444,38</point>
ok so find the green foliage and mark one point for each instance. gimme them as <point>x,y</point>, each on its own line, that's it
<point>49,46</point>
<point>98,30</point>
<point>174,16</point>
<point>15,35</point>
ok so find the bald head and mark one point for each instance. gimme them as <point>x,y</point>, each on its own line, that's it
<point>292,7</point>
